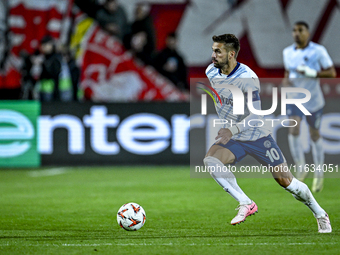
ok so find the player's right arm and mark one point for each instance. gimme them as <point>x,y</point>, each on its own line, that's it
<point>285,81</point>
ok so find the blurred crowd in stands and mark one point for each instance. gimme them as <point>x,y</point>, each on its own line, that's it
<point>51,72</point>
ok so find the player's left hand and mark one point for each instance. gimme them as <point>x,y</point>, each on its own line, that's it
<point>224,135</point>
<point>307,71</point>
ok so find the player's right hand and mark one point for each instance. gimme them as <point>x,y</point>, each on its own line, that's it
<point>224,135</point>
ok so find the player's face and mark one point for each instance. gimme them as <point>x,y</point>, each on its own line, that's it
<point>220,55</point>
<point>300,34</point>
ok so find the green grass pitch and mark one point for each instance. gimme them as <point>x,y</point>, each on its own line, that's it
<point>73,211</point>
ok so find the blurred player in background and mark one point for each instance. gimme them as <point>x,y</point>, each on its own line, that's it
<point>305,62</point>
<point>239,139</point>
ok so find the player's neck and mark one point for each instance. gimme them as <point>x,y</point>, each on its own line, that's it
<point>227,69</point>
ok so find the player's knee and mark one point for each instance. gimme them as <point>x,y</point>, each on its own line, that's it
<point>207,159</point>
<point>211,152</point>
<point>315,136</point>
<point>213,158</point>
<point>211,161</point>
<point>221,154</point>
<point>294,131</point>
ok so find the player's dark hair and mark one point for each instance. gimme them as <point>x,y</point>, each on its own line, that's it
<point>302,23</point>
<point>230,40</point>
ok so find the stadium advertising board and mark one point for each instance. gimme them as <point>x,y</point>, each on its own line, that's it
<point>136,133</point>
<point>18,133</point>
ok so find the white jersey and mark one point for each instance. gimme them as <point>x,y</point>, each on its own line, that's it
<point>243,78</point>
<point>314,56</point>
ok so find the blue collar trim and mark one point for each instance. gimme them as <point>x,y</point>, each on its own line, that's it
<point>235,69</point>
<point>232,72</point>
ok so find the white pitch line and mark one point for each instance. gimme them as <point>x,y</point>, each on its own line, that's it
<point>87,244</point>
<point>194,244</point>
<point>227,244</point>
<point>48,172</point>
<point>167,244</point>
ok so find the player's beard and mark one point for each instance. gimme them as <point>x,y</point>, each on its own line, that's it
<point>221,65</point>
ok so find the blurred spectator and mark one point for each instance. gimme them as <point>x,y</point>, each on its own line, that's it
<point>31,70</point>
<point>55,80</point>
<point>110,16</point>
<point>142,38</point>
<point>170,63</point>
<point>74,72</point>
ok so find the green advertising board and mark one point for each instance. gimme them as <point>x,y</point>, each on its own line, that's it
<point>18,134</point>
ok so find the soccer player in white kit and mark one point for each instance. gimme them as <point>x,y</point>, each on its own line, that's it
<point>305,62</point>
<point>238,140</point>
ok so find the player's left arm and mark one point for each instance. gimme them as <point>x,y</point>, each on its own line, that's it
<point>327,73</point>
<point>326,63</point>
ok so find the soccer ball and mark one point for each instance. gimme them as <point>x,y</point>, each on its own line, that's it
<point>131,216</point>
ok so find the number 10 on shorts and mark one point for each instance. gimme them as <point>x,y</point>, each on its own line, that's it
<point>273,154</point>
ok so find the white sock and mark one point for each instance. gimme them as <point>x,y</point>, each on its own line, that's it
<point>226,179</point>
<point>297,151</point>
<point>302,193</point>
<point>318,157</point>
